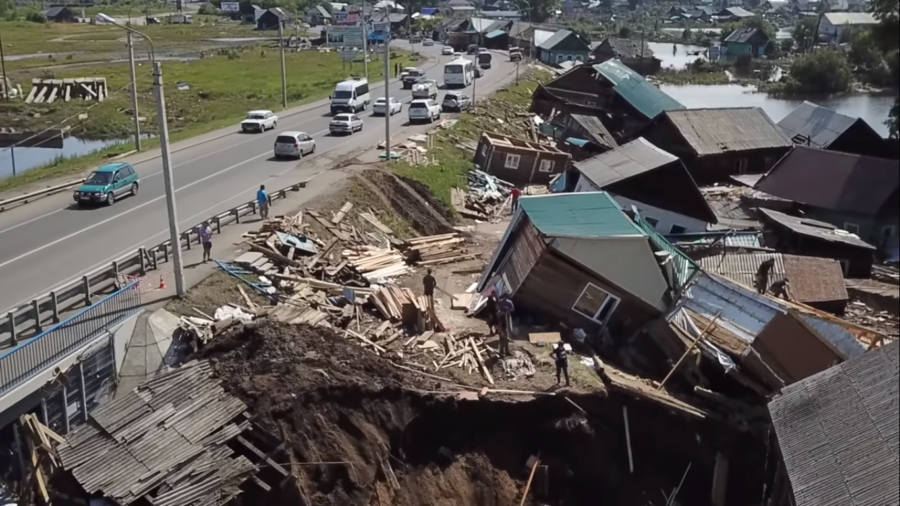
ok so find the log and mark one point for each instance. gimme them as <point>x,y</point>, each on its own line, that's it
<point>484,369</point>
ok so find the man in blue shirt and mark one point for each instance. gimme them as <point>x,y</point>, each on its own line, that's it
<point>262,199</point>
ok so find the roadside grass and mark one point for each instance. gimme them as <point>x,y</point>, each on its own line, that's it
<point>222,88</point>
<point>455,161</point>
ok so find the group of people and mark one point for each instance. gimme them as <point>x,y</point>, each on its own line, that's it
<point>204,231</point>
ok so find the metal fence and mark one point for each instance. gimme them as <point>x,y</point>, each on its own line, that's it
<point>683,268</point>
<point>47,348</point>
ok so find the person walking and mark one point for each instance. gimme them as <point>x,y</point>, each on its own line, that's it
<point>562,363</point>
<point>505,309</point>
<point>516,193</point>
<point>490,309</point>
<point>762,275</point>
<point>205,233</point>
<point>262,198</point>
<point>428,284</point>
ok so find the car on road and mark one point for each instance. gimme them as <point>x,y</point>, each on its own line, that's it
<point>427,42</point>
<point>382,108</point>
<point>456,101</point>
<point>259,121</point>
<point>153,21</point>
<point>412,77</point>
<point>345,124</point>
<point>457,55</point>
<point>294,145</point>
<point>424,110</point>
<point>425,89</point>
<point>447,51</point>
<point>472,49</point>
<point>107,184</point>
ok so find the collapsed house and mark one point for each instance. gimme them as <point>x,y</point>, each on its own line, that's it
<point>519,161</point>
<point>820,127</point>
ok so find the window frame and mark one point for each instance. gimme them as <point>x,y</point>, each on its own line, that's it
<point>610,300</point>
<point>550,166</point>
<point>674,226</point>
<point>511,156</point>
<point>652,221</point>
<point>741,165</point>
<point>888,232</point>
<point>853,228</point>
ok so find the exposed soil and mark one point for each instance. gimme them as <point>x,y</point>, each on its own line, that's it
<point>410,200</point>
<point>343,411</point>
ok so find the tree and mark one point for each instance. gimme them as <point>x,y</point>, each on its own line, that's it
<point>624,32</point>
<point>821,72</point>
<point>787,45</point>
<point>864,51</point>
<point>6,6</point>
<point>35,17</point>
<point>892,120</point>
<point>804,34</point>
<point>886,11</point>
<point>207,10</point>
<point>686,34</point>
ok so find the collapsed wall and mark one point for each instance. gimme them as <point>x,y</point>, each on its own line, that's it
<point>351,422</point>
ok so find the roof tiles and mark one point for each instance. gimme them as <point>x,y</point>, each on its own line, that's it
<point>725,130</point>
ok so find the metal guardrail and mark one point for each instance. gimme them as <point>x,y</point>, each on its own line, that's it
<point>29,319</point>
<point>46,192</point>
<point>20,364</point>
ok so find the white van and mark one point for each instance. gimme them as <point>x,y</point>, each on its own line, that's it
<point>350,96</point>
<point>459,72</point>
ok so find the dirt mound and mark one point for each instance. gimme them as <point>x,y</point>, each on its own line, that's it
<point>361,432</point>
<point>410,200</point>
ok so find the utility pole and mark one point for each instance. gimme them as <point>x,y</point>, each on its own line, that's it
<point>475,79</point>
<point>284,97</point>
<point>134,96</point>
<point>3,71</point>
<point>386,34</point>
<point>365,30</point>
<point>174,234</point>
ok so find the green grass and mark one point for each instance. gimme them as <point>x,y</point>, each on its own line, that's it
<point>223,87</point>
<point>687,77</point>
<point>455,161</point>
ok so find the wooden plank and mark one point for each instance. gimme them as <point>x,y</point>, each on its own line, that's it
<point>450,260</point>
<point>375,222</point>
<point>324,251</point>
<point>342,213</point>
<point>484,369</point>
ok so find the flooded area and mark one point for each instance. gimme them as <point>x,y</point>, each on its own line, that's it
<point>872,108</point>
<point>677,56</point>
<point>26,159</point>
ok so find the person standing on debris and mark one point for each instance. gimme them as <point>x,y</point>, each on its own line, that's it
<point>205,233</point>
<point>562,363</point>
<point>429,283</point>
<point>262,198</point>
<point>505,308</point>
<point>516,193</point>
<point>782,289</point>
<point>762,275</point>
<point>490,308</point>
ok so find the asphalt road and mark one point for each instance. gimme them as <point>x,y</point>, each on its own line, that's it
<point>50,242</point>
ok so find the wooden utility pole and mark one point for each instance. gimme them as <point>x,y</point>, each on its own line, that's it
<point>688,351</point>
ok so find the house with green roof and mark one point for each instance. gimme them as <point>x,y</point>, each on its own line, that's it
<point>578,259</point>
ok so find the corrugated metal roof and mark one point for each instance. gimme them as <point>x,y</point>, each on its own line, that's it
<point>850,18</point>
<point>629,48</point>
<point>837,335</point>
<point>732,239</point>
<point>542,36</point>
<point>555,39</point>
<point>812,279</point>
<point>832,180</point>
<point>629,160</point>
<point>726,130</point>
<point>637,91</point>
<point>588,214</point>
<point>819,124</point>
<point>839,432</point>
<point>597,131</point>
<point>742,35</point>
<point>815,229</point>
<point>173,429</point>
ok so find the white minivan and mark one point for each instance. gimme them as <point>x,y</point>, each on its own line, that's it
<point>350,96</point>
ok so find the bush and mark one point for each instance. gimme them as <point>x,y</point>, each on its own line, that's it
<point>743,61</point>
<point>625,33</point>
<point>35,17</point>
<point>822,72</point>
<point>207,10</point>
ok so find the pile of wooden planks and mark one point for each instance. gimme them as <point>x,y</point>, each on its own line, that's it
<point>438,249</point>
<point>42,459</point>
<point>402,305</point>
<point>485,199</point>
<point>377,263</point>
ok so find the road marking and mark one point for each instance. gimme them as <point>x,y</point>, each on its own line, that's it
<point>5,230</point>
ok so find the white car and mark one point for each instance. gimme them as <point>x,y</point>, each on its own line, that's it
<point>428,42</point>
<point>424,110</point>
<point>294,145</point>
<point>425,89</point>
<point>447,51</point>
<point>379,109</point>
<point>259,121</point>
<point>345,124</point>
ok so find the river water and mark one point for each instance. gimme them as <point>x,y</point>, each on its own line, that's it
<point>30,158</point>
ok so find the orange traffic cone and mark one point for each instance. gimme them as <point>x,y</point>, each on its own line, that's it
<point>162,282</point>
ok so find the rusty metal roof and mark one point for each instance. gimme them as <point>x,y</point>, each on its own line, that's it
<point>726,130</point>
<point>166,440</point>
<point>812,279</point>
<point>839,432</point>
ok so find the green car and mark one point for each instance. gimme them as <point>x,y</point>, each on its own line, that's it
<point>108,183</point>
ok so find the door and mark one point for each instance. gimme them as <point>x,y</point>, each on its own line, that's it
<point>120,181</point>
<point>307,144</point>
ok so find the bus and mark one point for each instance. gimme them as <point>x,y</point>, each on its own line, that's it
<point>459,72</point>
<point>351,96</point>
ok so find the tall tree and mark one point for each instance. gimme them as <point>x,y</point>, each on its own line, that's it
<point>804,34</point>
<point>888,14</point>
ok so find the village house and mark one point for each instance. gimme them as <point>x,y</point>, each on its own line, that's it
<point>272,18</point>
<point>457,8</point>
<point>746,40</point>
<point>519,161</point>
<point>634,54</point>
<point>563,46</point>
<point>819,127</point>
<point>836,27</point>
<point>806,236</point>
<point>576,259</point>
<point>717,143</point>
<point>816,282</point>
<point>581,135</point>
<point>733,14</point>
<point>59,14</point>
<point>836,434</point>
<point>398,20</point>
<point>640,175</point>
<point>856,193</point>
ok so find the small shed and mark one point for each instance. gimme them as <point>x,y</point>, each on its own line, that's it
<point>272,18</point>
<point>59,15</point>
<point>746,40</point>
<point>635,54</point>
<point>519,161</point>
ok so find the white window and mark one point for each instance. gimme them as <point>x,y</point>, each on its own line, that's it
<point>512,161</point>
<point>546,166</point>
<point>740,166</point>
<point>595,303</point>
<point>484,149</point>
<point>853,228</point>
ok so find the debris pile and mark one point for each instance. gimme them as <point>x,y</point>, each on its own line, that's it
<point>486,198</point>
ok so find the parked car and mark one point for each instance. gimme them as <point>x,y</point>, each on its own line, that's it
<point>447,51</point>
<point>472,49</point>
<point>345,124</point>
<point>381,108</point>
<point>108,183</point>
<point>259,121</point>
<point>425,89</point>
<point>424,110</point>
<point>456,101</point>
<point>427,42</point>
<point>153,21</point>
<point>294,145</point>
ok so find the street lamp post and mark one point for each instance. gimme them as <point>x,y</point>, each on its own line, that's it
<point>520,51</point>
<point>174,234</point>
<point>3,71</point>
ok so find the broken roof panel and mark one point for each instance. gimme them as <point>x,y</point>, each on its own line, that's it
<point>637,91</point>
<point>630,48</point>
<point>815,229</point>
<point>819,124</point>
<point>629,160</point>
<point>717,131</point>
<point>588,214</point>
<point>742,35</point>
<point>832,180</point>
<point>839,432</point>
<point>597,131</point>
